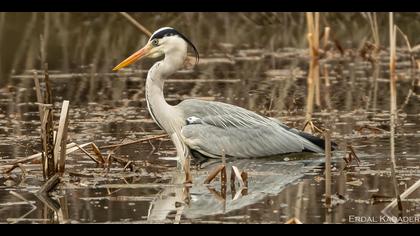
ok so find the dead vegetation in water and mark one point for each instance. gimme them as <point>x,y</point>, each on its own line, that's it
<point>350,156</point>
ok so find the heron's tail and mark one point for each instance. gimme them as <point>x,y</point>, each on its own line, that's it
<point>311,143</point>
<point>316,140</point>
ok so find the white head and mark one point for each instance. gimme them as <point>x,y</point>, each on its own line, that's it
<point>164,41</point>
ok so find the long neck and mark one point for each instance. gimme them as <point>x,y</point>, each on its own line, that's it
<point>165,115</point>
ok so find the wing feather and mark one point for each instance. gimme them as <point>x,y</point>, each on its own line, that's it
<point>237,132</point>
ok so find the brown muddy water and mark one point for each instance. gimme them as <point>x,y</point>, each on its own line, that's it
<point>107,108</point>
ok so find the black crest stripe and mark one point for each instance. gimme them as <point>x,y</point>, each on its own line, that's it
<point>170,32</point>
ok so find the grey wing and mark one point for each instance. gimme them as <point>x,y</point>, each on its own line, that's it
<point>237,132</point>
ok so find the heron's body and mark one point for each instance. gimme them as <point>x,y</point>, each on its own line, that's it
<point>206,127</point>
<point>237,132</point>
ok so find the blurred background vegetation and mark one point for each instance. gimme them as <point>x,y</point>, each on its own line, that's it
<point>80,41</point>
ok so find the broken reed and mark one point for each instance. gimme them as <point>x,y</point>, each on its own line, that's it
<point>47,129</point>
<point>53,145</point>
<point>61,139</point>
<point>393,102</point>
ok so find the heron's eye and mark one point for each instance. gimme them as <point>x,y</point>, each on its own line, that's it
<point>155,42</point>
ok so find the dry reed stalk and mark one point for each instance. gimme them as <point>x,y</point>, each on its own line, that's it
<point>410,50</point>
<point>108,161</point>
<point>373,23</point>
<point>12,167</point>
<point>414,68</point>
<point>63,212</point>
<point>39,98</point>
<point>327,137</point>
<point>316,32</point>
<point>124,162</point>
<point>393,101</point>
<point>311,88</point>
<point>49,185</point>
<point>34,156</point>
<point>313,74</point>
<point>90,156</point>
<point>48,143</point>
<point>73,147</point>
<point>313,29</point>
<point>213,174</point>
<point>61,138</point>
<point>351,155</point>
<point>223,171</point>
<point>244,176</point>
<point>44,161</point>
<point>97,152</point>
<point>223,177</point>
<point>219,197</point>
<point>133,142</point>
<point>187,169</point>
<point>404,195</point>
<point>327,97</point>
<point>136,24</point>
<point>326,37</point>
<point>317,83</point>
<point>316,68</point>
<point>45,37</point>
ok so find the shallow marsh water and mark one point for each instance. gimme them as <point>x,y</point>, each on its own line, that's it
<point>107,108</point>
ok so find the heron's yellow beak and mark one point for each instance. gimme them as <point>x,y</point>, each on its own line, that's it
<point>145,51</point>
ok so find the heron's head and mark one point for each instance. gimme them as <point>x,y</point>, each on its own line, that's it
<point>162,42</point>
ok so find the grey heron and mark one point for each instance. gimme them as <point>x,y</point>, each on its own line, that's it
<point>210,129</point>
